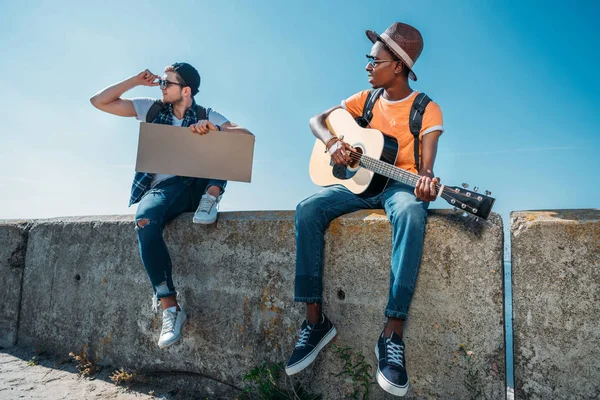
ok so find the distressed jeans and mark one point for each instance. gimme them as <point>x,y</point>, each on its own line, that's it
<point>161,204</point>
<point>407,215</point>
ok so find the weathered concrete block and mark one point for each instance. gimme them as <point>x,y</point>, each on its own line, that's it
<point>13,243</point>
<point>556,303</point>
<point>84,286</point>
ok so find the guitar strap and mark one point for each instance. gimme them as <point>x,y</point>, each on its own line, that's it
<point>365,119</point>
<point>415,119</point>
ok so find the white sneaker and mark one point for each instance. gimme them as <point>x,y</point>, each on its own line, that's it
<point>173,322</point>
<point>207,210</point>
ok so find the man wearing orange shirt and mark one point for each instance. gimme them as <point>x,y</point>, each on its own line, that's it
<point>389,68</point>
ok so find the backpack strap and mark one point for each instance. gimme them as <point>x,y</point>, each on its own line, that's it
<point>365,119</point>
<point>154,110</point>
<point>416,121</point>
<point>158,106</point>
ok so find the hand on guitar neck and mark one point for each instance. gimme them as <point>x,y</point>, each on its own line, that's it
<point>425,189</point>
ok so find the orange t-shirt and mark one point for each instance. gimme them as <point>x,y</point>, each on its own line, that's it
<point>391,118</point>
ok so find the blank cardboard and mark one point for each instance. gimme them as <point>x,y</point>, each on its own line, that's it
<point>166,149</point>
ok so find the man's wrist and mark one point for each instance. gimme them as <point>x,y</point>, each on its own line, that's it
<point>331,142</point>
<point>334,147</point>
<point>132,82</point>
<point>426,172</point>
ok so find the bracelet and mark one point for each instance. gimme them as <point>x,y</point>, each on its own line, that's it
<point>327,146</point>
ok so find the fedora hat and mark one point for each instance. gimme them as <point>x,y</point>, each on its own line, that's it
<point>404,41</point>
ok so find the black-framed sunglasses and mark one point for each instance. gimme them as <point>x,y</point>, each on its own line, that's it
<point>163,83</point>
<point>372,61</point>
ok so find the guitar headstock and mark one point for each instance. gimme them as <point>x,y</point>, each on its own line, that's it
<point>470,201</point>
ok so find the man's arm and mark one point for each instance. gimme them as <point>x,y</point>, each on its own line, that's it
<point>337,148</point>
<point>231,127</point>
<point>319,127</point>
<point>425,187</point>
<point>109,99</point>
<point>204,126</point>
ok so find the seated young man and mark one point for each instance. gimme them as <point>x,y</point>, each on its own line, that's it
<point>389,68</point>
<point>163,197</point>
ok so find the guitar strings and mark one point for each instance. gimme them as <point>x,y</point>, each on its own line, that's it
<point>392,170</point>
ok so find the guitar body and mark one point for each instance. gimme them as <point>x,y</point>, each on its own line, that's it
<point>369,142</point>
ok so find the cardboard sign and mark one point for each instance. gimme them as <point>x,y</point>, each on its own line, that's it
<point>166,149</point>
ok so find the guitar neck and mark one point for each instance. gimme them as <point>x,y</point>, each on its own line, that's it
<point>389,170</point>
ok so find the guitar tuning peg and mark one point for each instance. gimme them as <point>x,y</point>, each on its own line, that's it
<point>475,189</point>
<point>465,215</point>
<point>454,209</point>
<point>476,219</point>
<point>488,193</point>
<point>465,185</point>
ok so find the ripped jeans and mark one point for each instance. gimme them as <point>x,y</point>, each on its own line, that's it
<point>161,204</point>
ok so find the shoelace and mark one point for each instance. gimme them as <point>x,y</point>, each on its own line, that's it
<point>169,318</point>
<point>206,204</point>
<point>395,353</point>
<point>304,334</point>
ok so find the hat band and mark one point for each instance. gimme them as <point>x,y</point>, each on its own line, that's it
<point>394,46</point>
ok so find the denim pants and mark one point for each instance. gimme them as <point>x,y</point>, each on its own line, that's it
<point>407,215</point>
<point>161,204</point>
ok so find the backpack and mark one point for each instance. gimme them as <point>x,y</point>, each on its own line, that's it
<point>415,120</point>
<point>158,106</point>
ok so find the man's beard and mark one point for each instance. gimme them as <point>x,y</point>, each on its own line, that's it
<point>174,102</point>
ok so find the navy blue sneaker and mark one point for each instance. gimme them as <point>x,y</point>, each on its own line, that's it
<point>312,339</point>
<point>391,370</point>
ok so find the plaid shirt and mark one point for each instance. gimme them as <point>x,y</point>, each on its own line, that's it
<point>142,180</point>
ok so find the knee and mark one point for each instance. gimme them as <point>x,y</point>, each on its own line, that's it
<point>142,222</point>
<point>306,209</point>
<point>147,227</point>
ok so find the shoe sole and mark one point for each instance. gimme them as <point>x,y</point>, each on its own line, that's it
<point>203,221</point>
<point>387,385</point>
<point>306,361</point>
<point>176,338</point>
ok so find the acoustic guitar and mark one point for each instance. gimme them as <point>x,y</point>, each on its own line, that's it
<point>373,156</point>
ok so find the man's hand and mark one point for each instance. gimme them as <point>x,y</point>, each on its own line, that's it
<point>425,188</point>
<point>339,152</point>
<point>147,78</point>
<point>203,126</point>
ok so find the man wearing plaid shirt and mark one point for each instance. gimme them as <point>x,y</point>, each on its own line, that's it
<point>163,197</point>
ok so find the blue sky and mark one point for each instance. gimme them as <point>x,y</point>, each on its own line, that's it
<point>517,83</point>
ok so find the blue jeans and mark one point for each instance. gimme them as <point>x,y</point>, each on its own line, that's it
<point>161,204</point>
<point>407,215</point>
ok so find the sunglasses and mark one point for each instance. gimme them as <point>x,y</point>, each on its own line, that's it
<point>372,61</point>
<point>163,84</point>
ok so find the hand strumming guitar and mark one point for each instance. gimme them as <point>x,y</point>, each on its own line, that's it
<point>339,151</point>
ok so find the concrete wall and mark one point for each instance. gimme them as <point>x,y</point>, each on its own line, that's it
<point>13,243</point>
<point>84,287</point>
<point>556,296</point>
